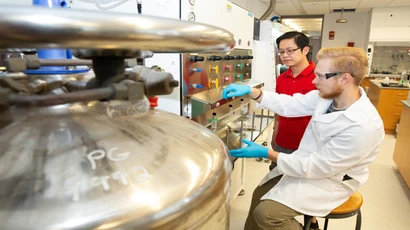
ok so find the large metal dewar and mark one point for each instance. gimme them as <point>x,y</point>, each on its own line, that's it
<point>75,167</point>
<point>86,151</point>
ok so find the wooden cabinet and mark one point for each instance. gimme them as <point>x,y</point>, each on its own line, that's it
<point>366,82</point>
<point>401,154</point>
<point>387,102</point>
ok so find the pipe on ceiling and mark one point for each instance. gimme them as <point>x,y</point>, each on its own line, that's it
<point>271,8</point>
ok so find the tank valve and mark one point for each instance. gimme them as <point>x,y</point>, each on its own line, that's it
<point>155,83</point>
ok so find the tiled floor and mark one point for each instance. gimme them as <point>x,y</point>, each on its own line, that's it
<point>386,197</point>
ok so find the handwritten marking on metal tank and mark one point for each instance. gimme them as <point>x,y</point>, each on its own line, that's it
<point>101,180</point>
<point>144,175</point>
<point>121,177</point>
<point>100,154</point>
<point>138,173</point>
<point>92,156</point>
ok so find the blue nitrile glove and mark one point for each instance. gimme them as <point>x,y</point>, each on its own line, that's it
<point>235,90</point>
<point>252,151</point>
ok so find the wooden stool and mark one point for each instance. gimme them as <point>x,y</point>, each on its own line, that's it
<point>349,208</point>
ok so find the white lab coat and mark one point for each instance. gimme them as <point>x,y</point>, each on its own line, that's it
<point>332,146</point>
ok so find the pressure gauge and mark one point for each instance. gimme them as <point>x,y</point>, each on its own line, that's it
<point>192,2</point>
<point>191,16</point>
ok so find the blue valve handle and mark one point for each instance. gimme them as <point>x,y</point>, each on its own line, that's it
<point>198,70</point>
<point>197,86</point>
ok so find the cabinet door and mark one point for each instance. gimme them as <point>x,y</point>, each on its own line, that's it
<point>391,109</point>
<point>390,105</point>
<point>394,94</point>
<point>390,123</point>
<point>401,154</point>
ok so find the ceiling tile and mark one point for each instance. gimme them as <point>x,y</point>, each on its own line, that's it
<point>307,25</point>
<point>400,3</point>
<point>363,10</point>
<point>299,7</point>
<point>286,8</point>
<point>306,1</point>
<point>268,1</point>
<point>316,7</point>
<point>344,4</point>
<point>373,3</point>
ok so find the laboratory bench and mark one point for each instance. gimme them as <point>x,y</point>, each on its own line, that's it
<point>377,76</point>
<point>401,155</point>
<point>383,75</point>
<point>387,101</point>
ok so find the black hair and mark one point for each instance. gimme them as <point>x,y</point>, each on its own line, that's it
<point>300,39</point>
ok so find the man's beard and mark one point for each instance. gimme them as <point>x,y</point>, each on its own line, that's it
<point>336,91</point>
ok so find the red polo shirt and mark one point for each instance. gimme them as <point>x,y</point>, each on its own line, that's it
<point>291,130</point>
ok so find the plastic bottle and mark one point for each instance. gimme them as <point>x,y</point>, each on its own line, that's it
<point>230,112</point>
<point>214,122</point>
<point>403,77</point>
<point>243,107</point>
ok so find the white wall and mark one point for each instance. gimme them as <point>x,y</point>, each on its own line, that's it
<point>390,24</point>
<point>255,6</point>
<point>355,30</point>
<point>17,2</point>
<point>223,14</point>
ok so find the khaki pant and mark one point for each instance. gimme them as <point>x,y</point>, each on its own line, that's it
<point>269,214</point>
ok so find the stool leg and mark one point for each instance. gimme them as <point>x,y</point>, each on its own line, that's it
<point>326,222</point>
<point>308,221</point>
<point>359,221</point>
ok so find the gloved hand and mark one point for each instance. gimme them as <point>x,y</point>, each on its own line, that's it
<point>235,90</point>
<point>252,151</point>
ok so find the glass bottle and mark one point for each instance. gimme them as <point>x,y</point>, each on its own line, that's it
<point>214,122</point>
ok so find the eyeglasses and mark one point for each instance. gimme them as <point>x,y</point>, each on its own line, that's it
<point>327,75</point>
<point>288,52</point>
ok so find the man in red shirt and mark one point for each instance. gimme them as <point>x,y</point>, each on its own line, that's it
<point>293,49</point>
<point>288,132</point>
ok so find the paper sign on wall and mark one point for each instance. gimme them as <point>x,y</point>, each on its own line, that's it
<point>331,35</point>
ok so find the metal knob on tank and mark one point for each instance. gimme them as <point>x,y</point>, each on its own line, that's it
<point>82,152</point>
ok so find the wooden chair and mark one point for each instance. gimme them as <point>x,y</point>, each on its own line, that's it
<point>348,209</point>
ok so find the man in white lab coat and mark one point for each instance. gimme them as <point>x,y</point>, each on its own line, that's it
<point>341,140</point>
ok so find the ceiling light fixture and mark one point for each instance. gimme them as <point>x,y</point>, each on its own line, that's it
<point>341,19</point>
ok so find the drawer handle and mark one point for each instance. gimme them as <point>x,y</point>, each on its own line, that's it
<point>397,114</point>
<point>400,104</point>
<point>401,94</point>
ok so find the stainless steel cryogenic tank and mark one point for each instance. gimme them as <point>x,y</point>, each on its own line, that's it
<point>78,154</point>
<point>72,166</point>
